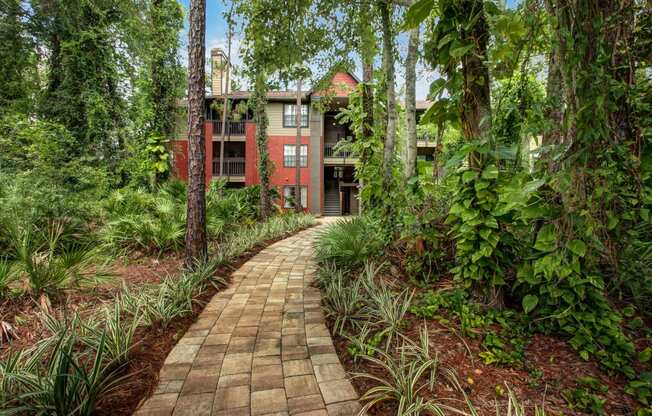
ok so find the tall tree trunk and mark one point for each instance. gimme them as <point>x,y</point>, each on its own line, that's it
<point>227,69</point>
<point>410,102</point>
<point>196,244</point>
<point>297,153</point>
<point>260,118</point>
<point>476,100</point>
<point>388,64</point>
<point>367,50</point>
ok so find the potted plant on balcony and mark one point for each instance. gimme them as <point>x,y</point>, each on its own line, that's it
<point>239,111</point>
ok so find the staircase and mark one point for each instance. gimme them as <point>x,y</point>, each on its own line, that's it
<point>331,201</point>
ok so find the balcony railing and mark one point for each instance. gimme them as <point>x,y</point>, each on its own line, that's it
<point>233,166</point>
<point>233,128</point>
<point>329,151</point>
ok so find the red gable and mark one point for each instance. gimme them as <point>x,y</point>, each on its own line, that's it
<point>341,85</point>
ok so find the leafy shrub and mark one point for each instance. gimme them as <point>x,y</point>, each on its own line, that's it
<point>348,243</point>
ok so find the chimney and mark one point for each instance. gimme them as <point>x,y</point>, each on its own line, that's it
<point>219,66</point>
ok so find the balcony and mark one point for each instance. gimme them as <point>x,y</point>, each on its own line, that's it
<point>234,168</point>
<point>233,128</point>
<point>337,157</point>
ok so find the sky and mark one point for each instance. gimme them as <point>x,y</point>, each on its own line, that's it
<point>216,38</point>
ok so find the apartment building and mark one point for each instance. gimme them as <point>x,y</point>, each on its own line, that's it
<point>328,185</point>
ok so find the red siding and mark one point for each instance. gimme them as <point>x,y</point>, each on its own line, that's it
<point>179,150</point>
<point>180,153</point>
<point>281,176</point>
<point>341,85</point>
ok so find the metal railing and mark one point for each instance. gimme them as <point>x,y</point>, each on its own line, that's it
<point>329,151</point>
<point>234,128</point>
<point>233,166</point>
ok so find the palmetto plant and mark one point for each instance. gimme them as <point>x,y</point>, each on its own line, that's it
<point>7,276</point>
<point>51,267</point>
<point>348,243</point>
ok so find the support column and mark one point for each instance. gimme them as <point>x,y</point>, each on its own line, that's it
<point>316,160</point>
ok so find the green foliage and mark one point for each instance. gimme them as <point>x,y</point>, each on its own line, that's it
<point>484,246</point>
<point>585,397</point>
<point>73,383</point>
<point>349,242</point>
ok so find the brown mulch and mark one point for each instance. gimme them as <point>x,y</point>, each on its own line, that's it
<point>152,344</point>
<point>557,363</point>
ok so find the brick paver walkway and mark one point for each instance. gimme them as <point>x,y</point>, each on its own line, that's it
<point>259,347</point>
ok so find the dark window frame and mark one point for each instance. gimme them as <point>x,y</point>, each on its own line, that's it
<point>303,160</point>
<point>305,120</point>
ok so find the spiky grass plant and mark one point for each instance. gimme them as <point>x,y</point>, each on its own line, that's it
<point>343,301</point>
<point>117,332</point>
<point>73,383</point>
<point>387,310</point>
<point>403,385</point>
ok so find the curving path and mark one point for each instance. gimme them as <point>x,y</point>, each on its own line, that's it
<point>259,347</point>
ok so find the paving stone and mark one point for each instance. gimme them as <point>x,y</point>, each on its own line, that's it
<point>236,363</point>
<point>266,360</point>
<point>174,372</point>
<point>166,400</point>
<point>267,378</point>
<point>301,386</point>
<point>297,367</point>
<point>319,359</point>
<point>182,354</point>
<point>268,401</point>
<point>305,403</point>
<point>350,408</point>
<point>241,411</point>
<point>328,372</point>
<point>194,405</point>
<point>200,381</point>
<point>337,391</point>
<point>231,398</point>
<point>233,380</point>
<point>321,412</point>
<point>217,339</point>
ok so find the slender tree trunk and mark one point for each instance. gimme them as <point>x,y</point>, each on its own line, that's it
<point>297,153</point>
<point>196,244</point>
<point>410,102</point>
<point>388,64</point>
<point>367,48</point>
<point>225,109</point>
<point>554,90</point>
<point>260,118</point>
<point>476,101</point>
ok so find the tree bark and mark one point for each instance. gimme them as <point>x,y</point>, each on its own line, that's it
<point>388,64</point>
<point>196,244</point>
<point>476,100</point>
<point>260,118</point>
<point>297,153</point>
<point>410,103</point>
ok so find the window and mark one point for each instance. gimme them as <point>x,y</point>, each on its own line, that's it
<point>289,155</point>
<point>290,115</point>
<point>289,196</point>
